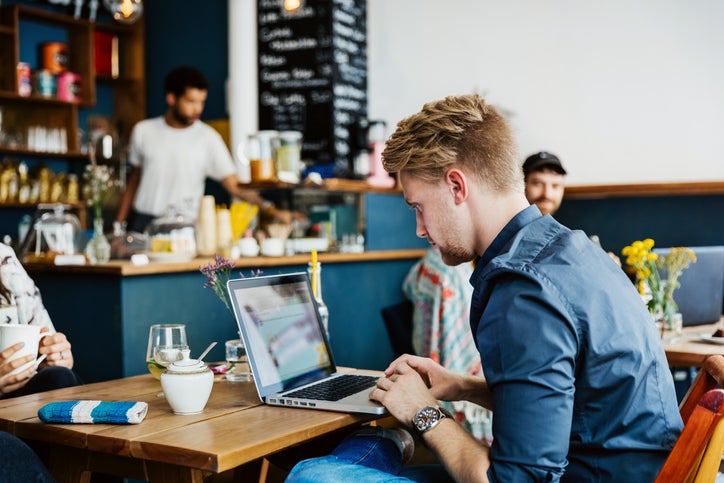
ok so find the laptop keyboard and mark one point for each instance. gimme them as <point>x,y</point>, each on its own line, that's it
<point>336,388</point>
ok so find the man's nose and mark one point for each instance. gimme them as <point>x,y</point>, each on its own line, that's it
<point>420,230</point>
<point>548,191</point>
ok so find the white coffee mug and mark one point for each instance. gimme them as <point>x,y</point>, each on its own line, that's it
<point>11,334</point>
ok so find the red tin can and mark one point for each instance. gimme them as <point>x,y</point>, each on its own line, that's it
<point>25,82</point>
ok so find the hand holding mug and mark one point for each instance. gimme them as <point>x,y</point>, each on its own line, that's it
<point>10,380</point>
<point>28,336</point>
<point>57,349</point>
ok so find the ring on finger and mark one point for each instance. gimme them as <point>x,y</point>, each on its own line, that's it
<point>62,354</point>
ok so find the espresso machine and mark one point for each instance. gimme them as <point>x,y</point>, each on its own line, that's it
<point>367,141</point>
<point>359,160</point>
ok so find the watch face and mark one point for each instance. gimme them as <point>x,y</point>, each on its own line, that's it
<point>425,418</point>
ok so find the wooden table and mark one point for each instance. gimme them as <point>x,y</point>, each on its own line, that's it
<point>688,350</point>
<point>235,431</point>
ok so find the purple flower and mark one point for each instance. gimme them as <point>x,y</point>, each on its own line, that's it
<point>217,274</point>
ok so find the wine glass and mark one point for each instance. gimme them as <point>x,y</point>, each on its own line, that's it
<point>165,343</point>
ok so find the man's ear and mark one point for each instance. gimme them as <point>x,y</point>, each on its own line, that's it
<point>170,98</point>
<point>458,183</point>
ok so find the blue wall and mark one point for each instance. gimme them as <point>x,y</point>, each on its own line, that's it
<point>390,223</point>
<point>669,220</point>
<point>187,32</point>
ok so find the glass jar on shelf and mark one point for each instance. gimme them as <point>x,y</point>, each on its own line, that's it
<point>52,231</point>
<point>171,237</point>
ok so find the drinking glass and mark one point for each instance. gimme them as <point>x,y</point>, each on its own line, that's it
<point>165,343</point>
<point>237,362</point>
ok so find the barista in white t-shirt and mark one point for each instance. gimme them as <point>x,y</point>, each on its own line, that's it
<point>171,156</point>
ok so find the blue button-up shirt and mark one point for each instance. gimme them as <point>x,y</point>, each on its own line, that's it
<point>580,381</point>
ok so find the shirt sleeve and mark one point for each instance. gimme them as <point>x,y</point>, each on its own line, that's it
<point>529,348</point>
<point>221,164</point>
<point>24,294</point>
<point>135,150</point>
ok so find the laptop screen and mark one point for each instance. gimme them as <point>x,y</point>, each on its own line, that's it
<point>280,325</point>
<point>699,296</point>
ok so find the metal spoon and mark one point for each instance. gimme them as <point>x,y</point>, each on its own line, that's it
<point>206,351</point>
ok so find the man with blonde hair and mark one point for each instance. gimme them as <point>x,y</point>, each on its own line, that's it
<point>574,370</point>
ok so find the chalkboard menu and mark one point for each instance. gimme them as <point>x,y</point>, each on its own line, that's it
<point>313,74</point>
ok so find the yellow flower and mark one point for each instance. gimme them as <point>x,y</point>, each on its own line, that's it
<point>649,266</point>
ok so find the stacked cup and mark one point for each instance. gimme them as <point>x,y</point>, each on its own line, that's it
<point>206,240</point>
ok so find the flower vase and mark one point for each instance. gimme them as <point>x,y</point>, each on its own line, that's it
<point>98,250</point>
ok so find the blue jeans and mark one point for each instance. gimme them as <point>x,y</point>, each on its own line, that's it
<point>18,463</point>
<point>365,459</point>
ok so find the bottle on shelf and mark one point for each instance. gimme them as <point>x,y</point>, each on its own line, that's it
<point>314,269</point>
<point>24,187</point>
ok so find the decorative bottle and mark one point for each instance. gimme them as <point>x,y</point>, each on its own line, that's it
<point>314,269</point>
<point>98,249</point>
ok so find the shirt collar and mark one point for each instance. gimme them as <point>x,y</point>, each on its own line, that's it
<point>508,232</point>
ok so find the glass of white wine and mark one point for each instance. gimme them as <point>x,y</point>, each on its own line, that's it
<point>165,343</point>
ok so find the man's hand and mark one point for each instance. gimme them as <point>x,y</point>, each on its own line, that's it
<point>403,392</point>
<point>285,216</point>
<point>443,383</point>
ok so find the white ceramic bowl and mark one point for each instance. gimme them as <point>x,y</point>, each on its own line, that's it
<point>248,247</point>
<point>187,385</point>
<point>272,247</point>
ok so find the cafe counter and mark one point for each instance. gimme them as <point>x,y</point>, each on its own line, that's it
<point>106,310</point>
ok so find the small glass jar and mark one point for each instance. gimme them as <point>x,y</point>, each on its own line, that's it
<point>288,156</point>
<point>59,231</point>
<point>260,151</point>
<point>171,237</point>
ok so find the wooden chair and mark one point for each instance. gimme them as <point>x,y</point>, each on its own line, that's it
<point>697,454</point>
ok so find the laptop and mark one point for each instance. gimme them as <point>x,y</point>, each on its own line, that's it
<point>288,350</point>
<point>701,294</point>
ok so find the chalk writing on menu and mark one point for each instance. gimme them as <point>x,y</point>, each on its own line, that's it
<point>313,73</point>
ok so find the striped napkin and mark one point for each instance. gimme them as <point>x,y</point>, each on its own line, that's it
<point>85,411</point>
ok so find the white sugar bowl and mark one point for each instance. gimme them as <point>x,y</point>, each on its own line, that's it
<point>187,385</point>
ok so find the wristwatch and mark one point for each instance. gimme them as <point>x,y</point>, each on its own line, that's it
<point>428,417</point>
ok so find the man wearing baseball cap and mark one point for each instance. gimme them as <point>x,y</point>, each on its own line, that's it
<point>544,185</point>
<point>544,181</point>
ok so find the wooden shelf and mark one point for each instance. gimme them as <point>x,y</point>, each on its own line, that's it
<point>78,205</point>
<point>125,268</point>
<point>70,156</point>
<point>115,80</point>
<point>329,184</point>
<point>21,113</point>
<point>47,16</point>
<point>647,189</point>
<point>571,192</point>
<point>52,101</point>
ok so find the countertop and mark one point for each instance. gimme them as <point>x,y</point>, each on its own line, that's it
<point>126,268</point>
